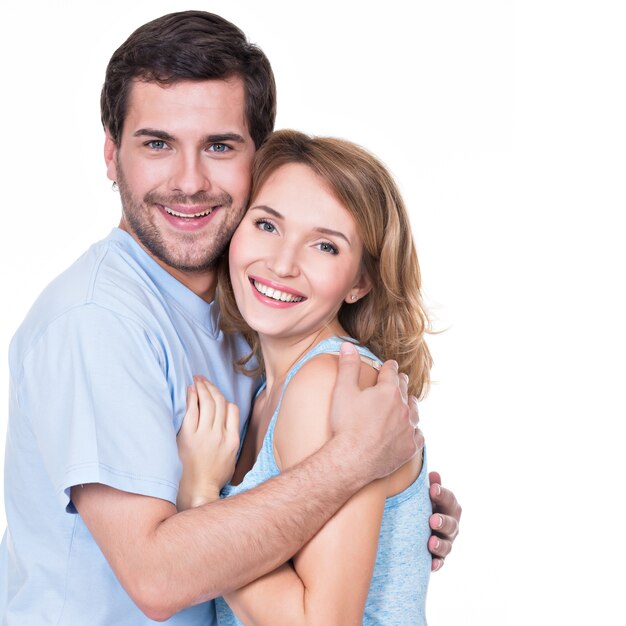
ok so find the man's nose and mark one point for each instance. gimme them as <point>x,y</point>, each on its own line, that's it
<point>192,174</point>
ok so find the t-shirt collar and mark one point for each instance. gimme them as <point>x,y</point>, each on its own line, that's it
<point>205,313</point>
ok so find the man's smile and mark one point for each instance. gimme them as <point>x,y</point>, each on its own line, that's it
<point>189,214</point>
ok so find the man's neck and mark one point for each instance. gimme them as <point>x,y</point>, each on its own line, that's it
<point>203,283</point>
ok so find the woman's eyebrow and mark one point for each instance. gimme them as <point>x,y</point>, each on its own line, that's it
<point>267,209</point>
<point>333,233</point>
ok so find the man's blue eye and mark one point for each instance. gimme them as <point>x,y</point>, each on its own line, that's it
<point>156,144</point>
<point>219,147</point>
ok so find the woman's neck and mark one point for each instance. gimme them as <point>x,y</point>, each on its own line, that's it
<point>280,353</point>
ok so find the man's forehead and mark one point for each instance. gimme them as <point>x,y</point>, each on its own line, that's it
<point>207,105</point>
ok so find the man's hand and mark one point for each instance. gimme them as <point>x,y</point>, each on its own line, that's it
<point>380,420</point>
<point>444,521</point>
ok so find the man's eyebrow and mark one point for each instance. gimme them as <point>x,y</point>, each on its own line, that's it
<point>222,137</point>
<point>152,132</point>
<point>318,229</point>
<point>165,136</point>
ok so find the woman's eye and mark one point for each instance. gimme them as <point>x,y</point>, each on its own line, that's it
<point>265,226</point>
<point>325,246</point>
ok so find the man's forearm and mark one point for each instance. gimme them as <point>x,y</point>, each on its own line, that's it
<point>199,554</point>
<point>245,536</point>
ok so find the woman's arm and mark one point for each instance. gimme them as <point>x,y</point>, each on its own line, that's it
<point>328,580</point>
<point>208,442</point>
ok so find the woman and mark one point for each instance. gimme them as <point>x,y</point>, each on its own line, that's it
<point>324,253</point>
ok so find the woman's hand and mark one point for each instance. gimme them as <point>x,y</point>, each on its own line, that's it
<point>208,442</point>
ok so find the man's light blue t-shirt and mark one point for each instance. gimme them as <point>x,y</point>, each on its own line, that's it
<point>99,371</point>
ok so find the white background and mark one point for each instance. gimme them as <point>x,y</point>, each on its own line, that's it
<point>504,124</point>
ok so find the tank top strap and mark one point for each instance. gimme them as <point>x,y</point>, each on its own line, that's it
<point>330,345</point>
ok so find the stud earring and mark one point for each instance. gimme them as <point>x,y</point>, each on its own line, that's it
<point>354,298</point>
<point>114,186</point>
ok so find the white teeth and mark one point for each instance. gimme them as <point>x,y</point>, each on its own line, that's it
<point>188,215</point>
<point>275,294</point>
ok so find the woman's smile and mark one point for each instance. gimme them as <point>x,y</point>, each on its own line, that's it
<point>277,294</point>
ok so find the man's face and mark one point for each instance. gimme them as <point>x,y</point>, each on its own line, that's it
<point>183,169</point>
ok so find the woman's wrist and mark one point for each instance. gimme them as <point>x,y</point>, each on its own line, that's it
<point>186,501</point>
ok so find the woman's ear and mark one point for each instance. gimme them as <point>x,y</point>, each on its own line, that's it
<point>361,288</point>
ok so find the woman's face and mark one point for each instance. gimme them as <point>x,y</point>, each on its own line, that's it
<point>295,257</point>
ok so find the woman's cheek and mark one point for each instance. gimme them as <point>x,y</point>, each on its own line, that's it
<point>236,248</point>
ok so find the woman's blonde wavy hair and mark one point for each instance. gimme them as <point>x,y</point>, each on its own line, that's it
<point>390,319</point>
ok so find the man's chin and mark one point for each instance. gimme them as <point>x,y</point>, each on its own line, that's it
<point>189,252</point>
<point>190,264</point>
<point>198,256</point>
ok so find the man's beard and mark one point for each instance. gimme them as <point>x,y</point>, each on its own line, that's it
<point>187,253</point>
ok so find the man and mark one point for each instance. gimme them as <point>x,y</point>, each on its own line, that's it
<point>100,366</point>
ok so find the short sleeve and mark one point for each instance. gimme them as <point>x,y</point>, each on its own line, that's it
<point>94,389</point>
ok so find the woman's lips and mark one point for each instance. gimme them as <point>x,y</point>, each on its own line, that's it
<point>274,294</point>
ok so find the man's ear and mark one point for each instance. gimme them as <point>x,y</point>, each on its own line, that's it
<point>110,156</point>
<point>361,288</point>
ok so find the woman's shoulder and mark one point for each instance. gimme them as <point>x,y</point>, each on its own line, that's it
<point>302,424</point>
<point>303,421</point>
<point>311,384</point>
<point>316,372</point>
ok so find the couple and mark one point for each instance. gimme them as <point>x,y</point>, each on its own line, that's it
<point>101,365</point>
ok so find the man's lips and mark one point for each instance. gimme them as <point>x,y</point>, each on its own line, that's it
<point>188,217</point>
<point>186,211</point>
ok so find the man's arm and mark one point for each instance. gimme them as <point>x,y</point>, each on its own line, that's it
<point>167,560</point>
<point>444,521</point>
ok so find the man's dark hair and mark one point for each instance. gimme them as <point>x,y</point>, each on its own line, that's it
<point>190,45</point>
